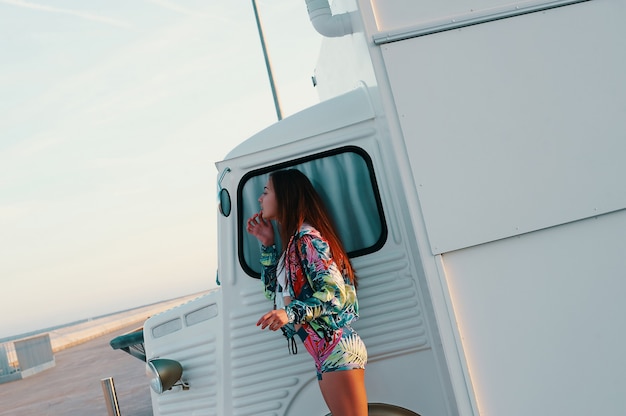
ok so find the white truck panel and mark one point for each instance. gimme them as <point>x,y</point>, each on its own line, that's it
<point>501,144</point>
<point>393,15</point>
<point>189,334</point>
<point>541,319</point>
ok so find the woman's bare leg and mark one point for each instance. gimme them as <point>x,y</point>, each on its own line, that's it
<point>344,392</point>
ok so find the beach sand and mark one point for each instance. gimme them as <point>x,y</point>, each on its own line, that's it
<point>73,386</point>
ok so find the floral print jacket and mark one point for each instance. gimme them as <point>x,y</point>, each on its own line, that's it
<point>322,296</point>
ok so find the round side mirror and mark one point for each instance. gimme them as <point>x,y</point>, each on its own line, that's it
<point>224,202</point>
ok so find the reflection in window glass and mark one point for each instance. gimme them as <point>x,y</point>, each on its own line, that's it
<point>346,183</point>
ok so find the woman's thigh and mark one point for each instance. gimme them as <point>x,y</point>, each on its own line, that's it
<point>344,392</point>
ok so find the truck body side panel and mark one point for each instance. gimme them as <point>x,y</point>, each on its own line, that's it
<point>514,131</point>
<point>393,15</point>
<point>512,125</point>
<point>541,317</point>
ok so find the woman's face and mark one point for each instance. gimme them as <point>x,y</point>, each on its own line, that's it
<point>268,201</point>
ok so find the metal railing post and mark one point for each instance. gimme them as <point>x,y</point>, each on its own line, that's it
<point>110,396</point>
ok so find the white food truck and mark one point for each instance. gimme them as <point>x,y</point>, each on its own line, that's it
<point>473,154</point>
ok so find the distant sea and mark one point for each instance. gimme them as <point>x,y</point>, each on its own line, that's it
<point>80,321</point>
<point>53,328</point>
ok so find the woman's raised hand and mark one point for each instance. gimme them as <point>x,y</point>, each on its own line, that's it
<point>261,228</point>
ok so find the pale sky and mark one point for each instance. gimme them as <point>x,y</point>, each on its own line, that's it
<point>112,116</point>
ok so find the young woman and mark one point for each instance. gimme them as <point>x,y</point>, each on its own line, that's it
<point>314,287</point>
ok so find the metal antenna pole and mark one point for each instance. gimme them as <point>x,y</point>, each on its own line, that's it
<point>267,62</point>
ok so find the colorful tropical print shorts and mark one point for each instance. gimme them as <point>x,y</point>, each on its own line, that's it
<point>343,351</point>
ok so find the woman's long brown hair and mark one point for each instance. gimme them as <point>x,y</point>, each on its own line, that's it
<point>299,202</point>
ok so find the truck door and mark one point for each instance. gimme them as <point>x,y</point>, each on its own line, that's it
<point>348,166</point>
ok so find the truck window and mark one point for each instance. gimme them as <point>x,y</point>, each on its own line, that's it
<point>345,179</point>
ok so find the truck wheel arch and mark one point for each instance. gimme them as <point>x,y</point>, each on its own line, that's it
<point>383,409</point>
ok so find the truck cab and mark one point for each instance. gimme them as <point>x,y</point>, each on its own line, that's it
<point>472,158</point>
